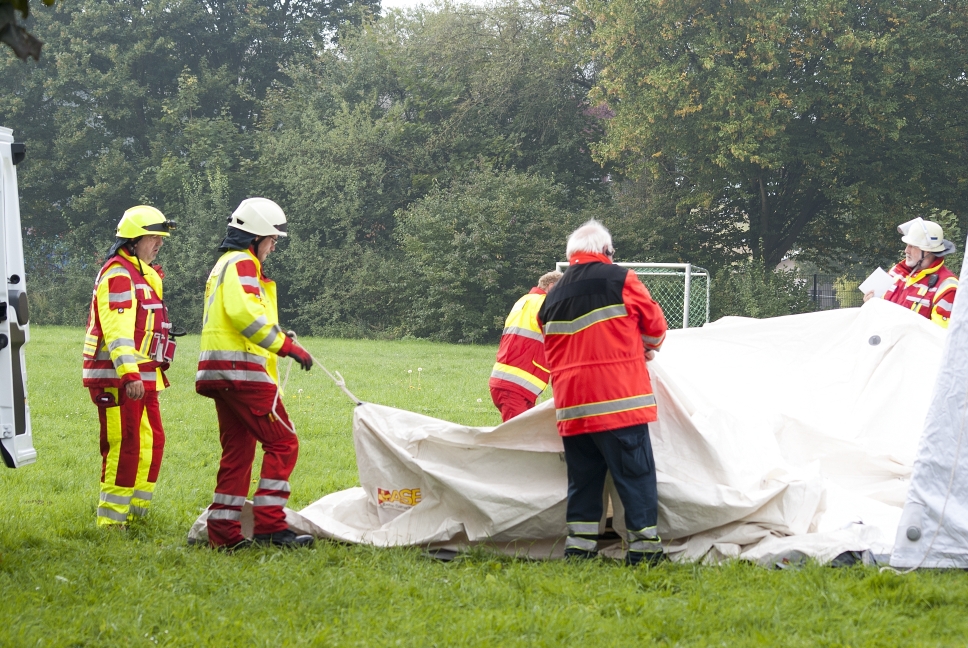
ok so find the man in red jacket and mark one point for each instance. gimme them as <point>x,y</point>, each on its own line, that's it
<point>600,326</point>
<point>922,283</point>
<point>519,375</point>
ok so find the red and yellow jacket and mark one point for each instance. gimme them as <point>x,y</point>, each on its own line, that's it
<point>598,322</point>
<point>521,362</point>
<point>930,292</point>
<point>127,328</point>
<point>241,338</point>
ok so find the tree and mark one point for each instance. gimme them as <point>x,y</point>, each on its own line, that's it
<point>473,249</point>
<point>13,34</point>
<point>405,107</point>
<point>788,115</point>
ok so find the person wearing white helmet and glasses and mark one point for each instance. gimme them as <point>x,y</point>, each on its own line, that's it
<point>922,283</point>
<point>127,349</point>
<point>241,341</point>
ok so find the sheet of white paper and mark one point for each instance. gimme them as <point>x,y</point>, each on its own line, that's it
<point>879,282</point>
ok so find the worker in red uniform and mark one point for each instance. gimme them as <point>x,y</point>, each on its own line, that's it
<point>241,341</point>
<point>519,374</point>
<point>127,349</point>
<point>922,283</point>
<point>601,326</point>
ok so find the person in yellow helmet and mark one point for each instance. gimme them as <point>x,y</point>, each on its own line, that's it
<point>241,341</point>
<point>127,349</point>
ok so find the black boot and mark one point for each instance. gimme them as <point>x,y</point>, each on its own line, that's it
<point>285,538</point>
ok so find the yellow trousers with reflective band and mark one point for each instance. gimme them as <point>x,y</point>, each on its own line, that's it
<point>132,445</point>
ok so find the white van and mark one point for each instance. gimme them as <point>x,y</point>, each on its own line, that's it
<point>16,441</point>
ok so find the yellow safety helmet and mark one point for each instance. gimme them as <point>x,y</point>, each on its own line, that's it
<point>144,221</point>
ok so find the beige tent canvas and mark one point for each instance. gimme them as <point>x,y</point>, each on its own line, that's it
<point>777,439</point>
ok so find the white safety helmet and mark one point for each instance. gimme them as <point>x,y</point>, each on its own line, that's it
<point>259,216</point>
<point>925,235</point>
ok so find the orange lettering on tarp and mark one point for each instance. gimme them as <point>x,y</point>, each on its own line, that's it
<point>404,496</point>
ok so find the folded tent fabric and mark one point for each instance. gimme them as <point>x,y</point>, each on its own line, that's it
<point>788,436</point>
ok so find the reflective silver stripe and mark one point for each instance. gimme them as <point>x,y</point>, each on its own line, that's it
<point>517,380</point>
<point>143,495</point>
<point>269,500</point>
<point>224,514</point>
<point>948,283</point>
<point>918,300</point>
<point>139,510</point>
<point>232,356</point>
<point>270,338</point>
<point>648,533</point>
<point>583,528</point>
<point>102,355</point>
<point>581,543</point>
<point>124,359</point>
<point>274,484</point>
<point>523,332</point>
<point>608,407</point>
<point>116,499</point>
<point>235,375</point>
<point>255,326</point>
<point>117,271</point>
<point>99,373</point>
<point>119,297</point>
<point>945,304</point>
<point>148,376</point>
<point>112,515</point>
<point>120,342</point>
<point>150,306</point>
<point>646,546</point>
<point>653,341</point>
<point>586,320</point>
<point>250,281</point>
<point>228,500</point>
<point>221,279</point>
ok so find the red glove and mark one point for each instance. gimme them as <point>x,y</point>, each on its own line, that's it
<point>300,355</point>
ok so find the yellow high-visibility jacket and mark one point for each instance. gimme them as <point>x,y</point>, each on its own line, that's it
<point>127,328</point>
<point>241,338</point>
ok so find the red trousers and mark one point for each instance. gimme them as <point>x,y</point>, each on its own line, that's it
<point>245,418</point>
<point>511,403</point>
<point>132,444</point>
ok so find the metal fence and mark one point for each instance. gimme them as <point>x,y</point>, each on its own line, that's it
<point>828,292</point>
<point>682,290</point>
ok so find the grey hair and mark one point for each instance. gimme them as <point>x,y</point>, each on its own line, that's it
<point>590,237</point>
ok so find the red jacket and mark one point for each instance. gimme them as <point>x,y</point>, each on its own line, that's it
<point>598,322</point>
<point>521,365</point>
<point>929,292</point>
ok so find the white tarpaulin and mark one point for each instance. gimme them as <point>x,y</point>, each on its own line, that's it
<point>933,531</point>
<point>776,438</point>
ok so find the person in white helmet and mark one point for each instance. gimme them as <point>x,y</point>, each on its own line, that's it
<point>241,341</point>
<point>922,283</point>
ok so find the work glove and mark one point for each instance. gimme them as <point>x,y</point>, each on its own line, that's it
<point>301,356</point>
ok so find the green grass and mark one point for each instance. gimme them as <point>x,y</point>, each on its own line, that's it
<point>66,583</point>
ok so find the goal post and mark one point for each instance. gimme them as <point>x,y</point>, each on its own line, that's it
<point>682,289</point>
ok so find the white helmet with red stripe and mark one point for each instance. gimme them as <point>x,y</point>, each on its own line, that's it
<point>259,216</point>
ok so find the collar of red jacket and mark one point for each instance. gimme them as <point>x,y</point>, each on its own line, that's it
<point>133,260</point>
<point>588,257</point>
<point>537,291</point>
<point>906,271</point>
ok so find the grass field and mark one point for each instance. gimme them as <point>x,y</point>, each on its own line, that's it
<point>66,583</point>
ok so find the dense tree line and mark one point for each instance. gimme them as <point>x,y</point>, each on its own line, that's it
<point>432,162</point>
